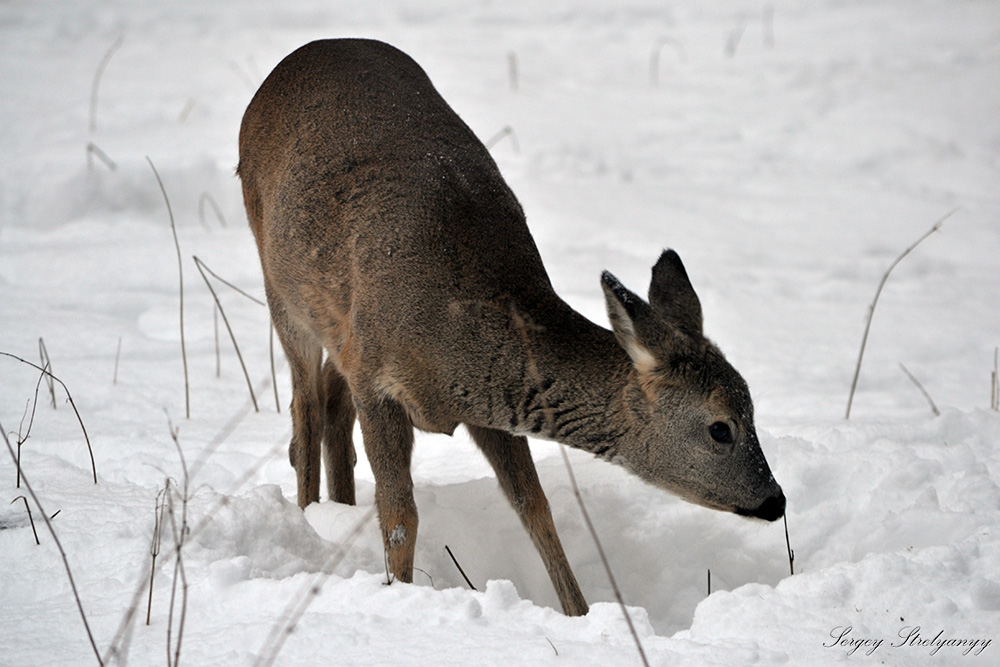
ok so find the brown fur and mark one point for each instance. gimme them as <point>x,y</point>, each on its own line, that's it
<point>392,246</point>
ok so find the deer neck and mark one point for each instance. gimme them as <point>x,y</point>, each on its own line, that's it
<point>573,385</point>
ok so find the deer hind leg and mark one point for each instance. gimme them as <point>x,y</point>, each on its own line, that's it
<point>305,355</point>
<point>388,438</point>
<point>511,460</point>
<point>339,456</point>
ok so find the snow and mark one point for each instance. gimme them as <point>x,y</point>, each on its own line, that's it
<point>788,175</point>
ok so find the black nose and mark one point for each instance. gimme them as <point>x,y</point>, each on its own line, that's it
<point>771,509</point>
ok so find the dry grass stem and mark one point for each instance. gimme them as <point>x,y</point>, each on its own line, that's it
<point>871,307</point>
<point>118,647</point>
<point>180,532</point>
<point>507,131</point>
<point>180,275</point>
<point>600,552</point>
<point>512,72</point>
<point>93,150</point>
<point>218,351</point>
<point>995,385</point>
<point>118,354</point>
<point>767,24</point>
<point>62,552</point>
<point>460,570</point>
<point>656,54</point>
<point>791,552</point>
<point>154,548</point>
<point>218,304</point>
<point>21,439</point>
<point>72,404</point>
<point>210,200</point>
<point>230,285</point>
<point>733,41</point>
<point>914,380</point>
<point>274,374</point>
<point>46,362</point>
<point>95,86</point>
<point>31,519</point>
<point>298,606</point>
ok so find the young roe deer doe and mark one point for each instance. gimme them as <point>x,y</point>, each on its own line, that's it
<point>389,239</point>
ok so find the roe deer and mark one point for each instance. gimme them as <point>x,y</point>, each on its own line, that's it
<point>389,239</point>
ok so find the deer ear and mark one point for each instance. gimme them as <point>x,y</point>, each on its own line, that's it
<point>629,316</point>
<point>672,296</point>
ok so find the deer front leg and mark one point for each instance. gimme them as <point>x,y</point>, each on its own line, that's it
<point>338,446</point>
<point>511,460</point>
<point>388,440</point>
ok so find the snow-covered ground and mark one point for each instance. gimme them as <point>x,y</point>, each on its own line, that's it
<point>788,150</point>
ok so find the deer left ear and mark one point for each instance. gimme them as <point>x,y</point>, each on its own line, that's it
<point>672,297</point>
<point>631,318</point>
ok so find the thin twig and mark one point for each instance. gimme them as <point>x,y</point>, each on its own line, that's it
<point>709,582</point>
<point>118,354</point>
<point>55,538</point>
<point>460,570</point>
<point>512,73</point>
<point>92,150</point>
<point>198,263</point>
<point>154,548</point>
<point>600,552</point>
<point>72,404</point>
<point>180,574</point>
<point>97,81</point>
<point>934,408</point>
<point>788,543</point>
<point>656,53</point>
<point>871,308</point>
<point>274,375</point>
<point>229,284</point>
<point>180,274</point>
<point>507,131</point>
<point>297,607</point>
<point>210,200</point>
<point>767,24</point>
<point>186,111</point>
<point>118,647</point>
<point>218,351</point>
<point>46,362</point>
<point>995,388</point>
<point>735,36</point>
<point>30,519</point>
<point>21,439</point>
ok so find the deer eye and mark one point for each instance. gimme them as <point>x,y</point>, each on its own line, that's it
<point>721,433</point>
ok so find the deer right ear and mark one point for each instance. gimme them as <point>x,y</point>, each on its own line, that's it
<point>628,313</point>
<point>672,296</point>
